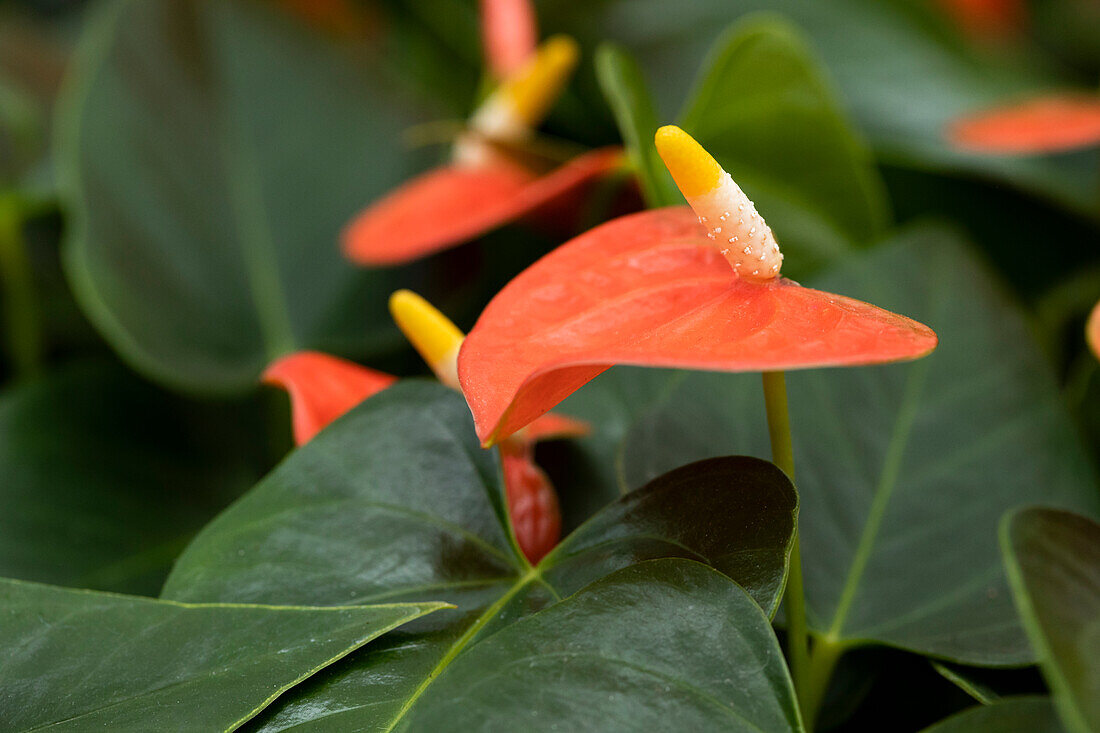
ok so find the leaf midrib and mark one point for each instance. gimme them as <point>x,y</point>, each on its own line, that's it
<point>259,255</point>
<point>461,643</point>
<point>888,479</point>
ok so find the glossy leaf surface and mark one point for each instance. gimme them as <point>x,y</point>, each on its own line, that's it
<point>1040,125</point>
<point>650,289</point>
<point>659,644</point>
<point>396,501</point>
<point>1053,562</point>
<point>902,469</point>
<point>204,235</point>
<point>452,204</point>
<point>1011,715</point>
<point>322,388</point>
<point>79,660</point>
<point>79,509</point>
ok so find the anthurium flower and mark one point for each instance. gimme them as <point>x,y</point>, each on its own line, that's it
<point>494,176</point>
<point>673,287</point>
<point>1046,124</point>
<point>323,387</point>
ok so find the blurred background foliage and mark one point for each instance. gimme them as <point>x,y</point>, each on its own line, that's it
<point>174,176</point>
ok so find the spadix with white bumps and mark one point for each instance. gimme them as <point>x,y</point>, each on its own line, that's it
<point>730,218</point>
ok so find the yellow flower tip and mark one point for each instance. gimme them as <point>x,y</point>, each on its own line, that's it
<point>730,218</point>
<point>522,100</point>
<point>433,335</point>
<point>536,85</point>
<point>692,167</point>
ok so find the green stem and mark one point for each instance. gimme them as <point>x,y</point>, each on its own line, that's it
<point>779,429</point>
<point>826,654</point>
<point>21,324</point>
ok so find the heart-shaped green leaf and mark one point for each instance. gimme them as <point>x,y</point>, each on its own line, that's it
<point>762,106</point>
<point>658,643</point>
<point>1011,715</point>
<point>396,501</point>
<point>1053,563</point>
<point>80,660</point>
<point>104,479</point>
<point>210,153</point>
<point>902,469</point>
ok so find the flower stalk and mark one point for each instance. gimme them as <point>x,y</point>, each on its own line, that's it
<point>779,430</point>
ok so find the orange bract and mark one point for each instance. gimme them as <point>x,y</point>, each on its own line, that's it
<point>651,290</point>
<point>452,204</point>
<point>509,33</point>
<point>1040,125</point>
<point>322,388</point>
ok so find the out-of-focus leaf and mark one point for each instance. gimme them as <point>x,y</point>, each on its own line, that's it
<point>104,479</point>
<point>978,690</point>
<point>902,469</point>
<point>396,501</point>
<point>1011,715</point>
<point>210,154</point>
<point>78,660</point>
<point>624,87</point>
<point>763,106</point>
<point>20,121</point>
<point>1053,563</point>
<point>987,685</point>
<point>902,78</point>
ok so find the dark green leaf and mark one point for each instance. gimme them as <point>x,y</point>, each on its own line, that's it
<point>664,642</point>
<point>1011,715</point>
<point>104,479</point>
<point>902,469</point>
<point>79,660</point>
<point>1053,563</point>
<point>210,154</point>
<point>396,501</point>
